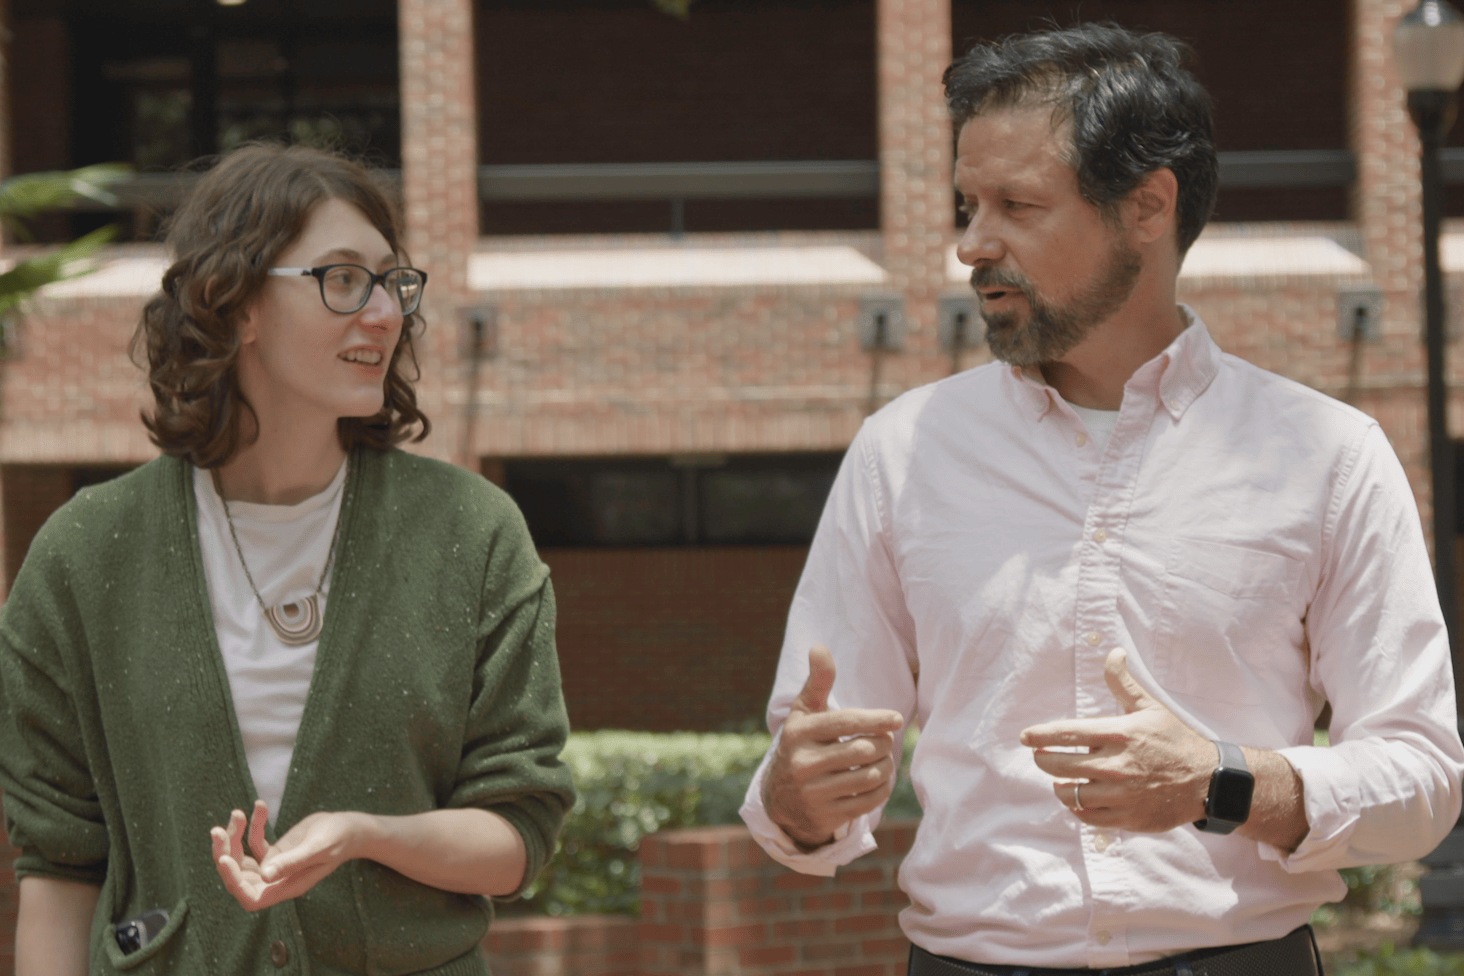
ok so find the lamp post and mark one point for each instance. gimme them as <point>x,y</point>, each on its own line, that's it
<point>1428,49</point>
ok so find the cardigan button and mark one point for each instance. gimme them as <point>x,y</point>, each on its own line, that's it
<point>279,954</point>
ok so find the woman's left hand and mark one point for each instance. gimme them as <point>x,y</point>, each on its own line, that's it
<point>294,864</point>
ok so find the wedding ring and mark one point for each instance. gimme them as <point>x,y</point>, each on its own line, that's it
<point>1077,800</point>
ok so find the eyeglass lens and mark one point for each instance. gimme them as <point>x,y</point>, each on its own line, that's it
<point>347,288</point>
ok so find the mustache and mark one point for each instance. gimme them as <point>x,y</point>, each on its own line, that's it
<point>988,276</point>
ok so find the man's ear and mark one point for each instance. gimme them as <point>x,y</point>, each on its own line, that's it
<point>1153,205</point>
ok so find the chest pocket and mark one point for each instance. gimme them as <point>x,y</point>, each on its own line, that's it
<point>1230,623</point>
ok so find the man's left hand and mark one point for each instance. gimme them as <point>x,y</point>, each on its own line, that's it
<point>1145,770</point>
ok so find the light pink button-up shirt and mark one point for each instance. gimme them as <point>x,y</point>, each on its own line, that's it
<point>1255,547</point>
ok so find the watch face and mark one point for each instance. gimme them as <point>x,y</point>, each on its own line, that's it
<point>1230,795</point>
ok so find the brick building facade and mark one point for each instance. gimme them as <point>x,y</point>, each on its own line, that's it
<point>641,360</point>
<point>608,343</point>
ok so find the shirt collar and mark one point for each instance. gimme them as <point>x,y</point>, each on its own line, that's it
<point>1179,374</point>
<point>1186,367</point>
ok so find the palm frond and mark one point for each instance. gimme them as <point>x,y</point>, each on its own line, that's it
<point>24,196</point>
<point>67,261</point>
<point>680,9</point>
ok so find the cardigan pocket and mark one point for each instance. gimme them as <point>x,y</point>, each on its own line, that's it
<point>155,949</point>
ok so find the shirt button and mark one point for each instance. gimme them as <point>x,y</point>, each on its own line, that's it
<point>1094,637</point>
<point>1100,536</point>
<point>1101,842</point>
<point>1103,937</point>
<point>1081,439</point>
<point>279,954</point>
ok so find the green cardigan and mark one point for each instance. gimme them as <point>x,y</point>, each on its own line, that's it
<point>436,685</point>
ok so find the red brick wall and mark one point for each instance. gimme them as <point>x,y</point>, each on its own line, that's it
<point>440,183</point>
<point>664,371</point>
<point>668,639</point>
<point>31,492</point>
<point>713,903</point>
<point>69,393</point>
<point>917,200</point>
<point>579,945</point>
<point>1387,207</point>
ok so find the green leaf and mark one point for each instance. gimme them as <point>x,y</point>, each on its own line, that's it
<point>1386,961</point>
<point>67,261</point>
<point>680,9</point>
<point>25,196</point>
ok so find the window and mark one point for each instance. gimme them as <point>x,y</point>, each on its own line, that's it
<point>772,499</point>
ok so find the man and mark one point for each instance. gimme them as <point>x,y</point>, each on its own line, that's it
<point>1113,577</point>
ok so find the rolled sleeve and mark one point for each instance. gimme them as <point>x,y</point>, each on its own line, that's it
<point>853,839</point>
<point>849,599</point>
<point>52,812</point>
<point>1388,788</point>
<point>517,724</point>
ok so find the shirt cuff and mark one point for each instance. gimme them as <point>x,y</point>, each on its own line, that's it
<point>1330,793</point>
<point>853,839</point>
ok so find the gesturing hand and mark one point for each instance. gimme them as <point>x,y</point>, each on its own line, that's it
<point>1145,770</point>
<point>297,862</point>
<point>831,766</point>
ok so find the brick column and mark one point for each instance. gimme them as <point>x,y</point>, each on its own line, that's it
<point>6,115</point>
<point>1387,206</point>
<point>917,202</point>
<point>440,184</point>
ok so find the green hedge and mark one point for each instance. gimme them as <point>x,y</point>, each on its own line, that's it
<point>636,783</point>
<point>1409,962</point>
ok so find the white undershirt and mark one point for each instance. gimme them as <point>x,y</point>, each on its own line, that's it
<point>286,547</point>
<point>1100,423</point>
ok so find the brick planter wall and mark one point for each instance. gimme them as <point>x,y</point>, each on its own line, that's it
<point>713,903</point>
<point>581,945</point>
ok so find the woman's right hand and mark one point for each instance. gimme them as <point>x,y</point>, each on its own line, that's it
<point>300,860</point>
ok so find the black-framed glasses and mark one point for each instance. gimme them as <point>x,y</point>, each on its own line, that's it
<point>346,288</point>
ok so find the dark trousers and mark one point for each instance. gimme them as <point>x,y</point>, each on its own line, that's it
<point>1291,955</point>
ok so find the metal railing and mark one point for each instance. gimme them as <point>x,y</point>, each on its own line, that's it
<point>807,179</point>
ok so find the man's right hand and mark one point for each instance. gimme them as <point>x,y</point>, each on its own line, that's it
<point>831,766</point>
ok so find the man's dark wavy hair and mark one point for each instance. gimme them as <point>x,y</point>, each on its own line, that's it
<point>241,216</point>
<point>1130,100</point>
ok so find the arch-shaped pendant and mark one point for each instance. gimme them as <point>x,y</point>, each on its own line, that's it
<point>296,623</point>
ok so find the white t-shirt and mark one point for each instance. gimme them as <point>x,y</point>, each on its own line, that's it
<point>1100,423</point>
<point>286,547</point>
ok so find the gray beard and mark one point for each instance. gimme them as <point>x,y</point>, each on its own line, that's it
<point>1050,331</point>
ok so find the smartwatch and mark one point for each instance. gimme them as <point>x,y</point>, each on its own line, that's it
<point>1231,787</point>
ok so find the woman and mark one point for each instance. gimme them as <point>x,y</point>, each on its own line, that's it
<point>284,614</point>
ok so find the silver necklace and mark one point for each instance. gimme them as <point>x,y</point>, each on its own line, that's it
<point>300,621</point>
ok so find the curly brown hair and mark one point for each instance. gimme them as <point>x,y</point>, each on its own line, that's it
<point>242,214</point>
